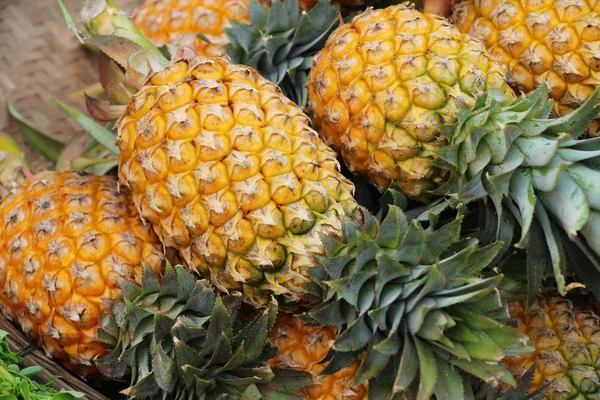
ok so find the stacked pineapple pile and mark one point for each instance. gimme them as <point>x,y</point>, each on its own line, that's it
<point>288,287</point>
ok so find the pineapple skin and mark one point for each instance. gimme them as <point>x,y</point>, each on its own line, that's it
<point>168,21</point>
<point>67,240</point>
<point>229,173</point>
<point>567,342</point>
<point>301,346</point>
<point>552,41</point>
<point>386,84</point>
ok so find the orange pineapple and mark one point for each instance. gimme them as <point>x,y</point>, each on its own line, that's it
<point>385,85</point>
<point>66,241</point>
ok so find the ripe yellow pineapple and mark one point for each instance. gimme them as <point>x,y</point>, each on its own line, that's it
<point>385,85</point>
<point>301,346</point>
<point>554,41</point>
<point>229,172</point>
<point>567,342</point>
<point>66,240</point>
<point>167,21</point>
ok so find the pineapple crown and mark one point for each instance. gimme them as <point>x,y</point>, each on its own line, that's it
<point>408,304</point>
<point>280,42</point>
<point>181,341</point>
<point>534,170</point>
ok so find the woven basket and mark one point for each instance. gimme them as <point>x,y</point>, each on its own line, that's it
<point>40,59</point>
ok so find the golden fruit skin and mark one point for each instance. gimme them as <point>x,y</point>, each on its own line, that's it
<point>301,346</point>
<point>228,172</point>
<point>167,21</point>
<point>552,41</point>
<point>567,342</point>
<point>67,239</point>
<point>385,85</point>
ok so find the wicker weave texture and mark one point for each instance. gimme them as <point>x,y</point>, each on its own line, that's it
<point>40,59</point>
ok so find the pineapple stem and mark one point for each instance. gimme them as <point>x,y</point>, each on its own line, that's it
<point>103,18</point>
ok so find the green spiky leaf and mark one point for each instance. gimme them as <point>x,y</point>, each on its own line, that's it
<point>280,42</point>
<point>179,340</point>
<point>415,306</point>
<point>533,168</point>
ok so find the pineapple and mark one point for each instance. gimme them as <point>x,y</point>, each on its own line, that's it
<point>168,21</point>
<point>567,342</point>
<point>553,41</point>
<point>301,346</point>
<point>229,173</point>
<point>386,84</point>
<point>67,240</point>
<point>226,169</point>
